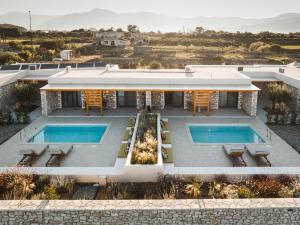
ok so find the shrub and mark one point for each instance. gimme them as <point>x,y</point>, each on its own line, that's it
<point>8,58</point>
<point>26,93</point>
<point>50,192</point>
<point>154,65</point>
<point>244,192</point>
<point>265,186</point>
<point>64,185</point>
<point>279,93</point>
<point>118,191</point>
<point>194,188</point>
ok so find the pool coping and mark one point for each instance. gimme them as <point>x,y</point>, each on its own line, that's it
<point>221,124</point>
<point>73,143</point>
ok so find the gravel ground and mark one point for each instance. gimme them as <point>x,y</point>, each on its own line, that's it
<point>289,133</point>
<point>7,131</point>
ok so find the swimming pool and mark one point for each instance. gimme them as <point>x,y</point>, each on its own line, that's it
<point>224,134</point>
<point>70,133</point>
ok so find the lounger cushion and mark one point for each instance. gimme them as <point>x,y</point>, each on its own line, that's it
<point>32,149</point>
<point>259,149</point>
<point>60,149</point>
<point>233,148</point>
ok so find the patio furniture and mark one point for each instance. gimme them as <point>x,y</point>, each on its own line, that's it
<point>30,153</point>
<point>57,153</point>
<point>235,152</point>
<point>260,152</point>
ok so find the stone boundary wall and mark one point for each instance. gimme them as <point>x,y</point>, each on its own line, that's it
<point>6,95</point>
<point>148,212</point>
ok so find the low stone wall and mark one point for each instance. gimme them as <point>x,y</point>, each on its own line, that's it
<point>6,95</point>
<point>123,212</point>
<point>50,101</point>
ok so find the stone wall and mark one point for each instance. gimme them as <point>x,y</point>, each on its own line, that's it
<point>156,100</point>
<point>152,212</point>
<point>188,100</point>
<point>148,98</point>
<point>49,101</point>
<point>83,100</point>
<point>6,95</point>
<point>214,101</point>
<point>140,99</point>
<point>110,99</point>
<point>249,102</point>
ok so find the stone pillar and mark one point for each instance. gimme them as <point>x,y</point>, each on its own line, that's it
<point>240,100</point>
<point>162,100</point>
<point>249,102</point>
<point>187,99</point>
<point>148,98</point>
<point>83,100</point>
<point>140,99</point>
<point>214,101</point>
<point>49,102</point>
<point>59,99</point>
<point>111,98</point>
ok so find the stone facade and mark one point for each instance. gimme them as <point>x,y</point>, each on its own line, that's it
<point>148,98</point>
<point>49,101</point>
<point>6,95</point>
<point>188,100</point>
<point>59,99</point>
<point>214,101</point>
<point>240,100</point>
<point>152,212</point>
<point>110,97</point>
<point>157,100</point>
<point>249,102</point>
<point>140,99</point>
<point>83,100</point>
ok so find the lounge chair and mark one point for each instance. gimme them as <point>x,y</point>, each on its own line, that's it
<point>57,153</point>
<point>260,152</point>
<point>235,152</point>
<point>30,153</point>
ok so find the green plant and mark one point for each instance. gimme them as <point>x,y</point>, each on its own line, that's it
<point>194,188</point>
<point>64,184</point>
<point>154,65</point>
<point>26,93</point>
<point>244,192</point>
<point>50,192</point>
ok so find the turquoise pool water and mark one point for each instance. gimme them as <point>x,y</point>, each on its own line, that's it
<point>70,134</point>
<point>224,134</point>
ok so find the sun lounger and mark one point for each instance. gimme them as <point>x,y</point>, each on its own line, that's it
<point>235,152</point>
<point>30,153</point>
<point>57,152</point>
<point>260,152</point>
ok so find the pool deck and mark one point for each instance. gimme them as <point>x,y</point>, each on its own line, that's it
<point>186,154</point>
<point>82,155</point>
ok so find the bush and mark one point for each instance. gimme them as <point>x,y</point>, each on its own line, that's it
<point>265,187</point>
<point>154,65</point>
<point>8,58</point>
<point>194,188</point>
<point>245,192</point>
<point>50,192</point>
<point>53,45</point>
<point>26,93</point>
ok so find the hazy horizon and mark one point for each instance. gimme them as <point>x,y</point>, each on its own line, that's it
<point>180,8</point>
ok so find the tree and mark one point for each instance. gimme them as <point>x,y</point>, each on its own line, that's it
<point>132,28</point>
<point>26,93</point>
<point>199,30</point>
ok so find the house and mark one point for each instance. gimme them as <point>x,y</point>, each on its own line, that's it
<point>111,38</point>
<point>219,102</point>
<point>66,55</point>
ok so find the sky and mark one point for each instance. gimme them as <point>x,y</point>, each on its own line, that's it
<point>181,8</point>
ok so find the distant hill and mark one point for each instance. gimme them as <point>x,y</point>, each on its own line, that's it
<point>99,18</point>
<point>10,30</point>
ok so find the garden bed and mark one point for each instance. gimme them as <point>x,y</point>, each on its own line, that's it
<point>15,186</point>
